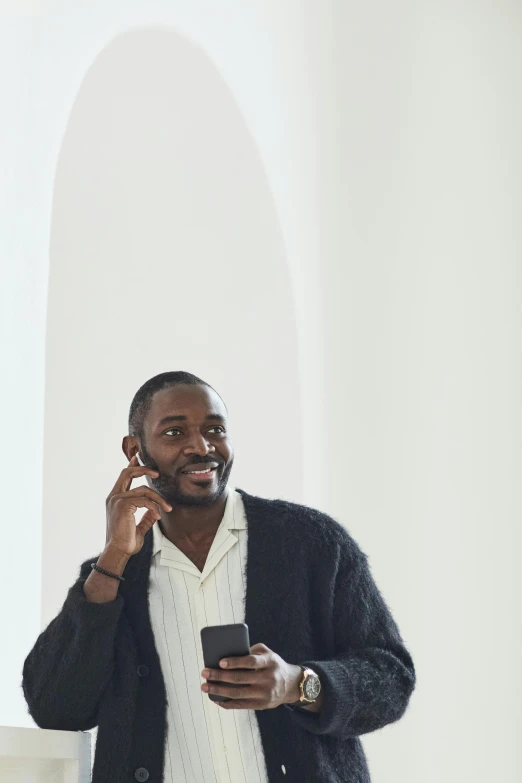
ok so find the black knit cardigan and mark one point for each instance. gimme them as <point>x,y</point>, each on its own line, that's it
<point>310,597</point>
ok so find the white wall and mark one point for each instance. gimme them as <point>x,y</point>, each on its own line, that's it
<point>396,196</point>
<point>46,51</point>
<point>424,344</point>
<point>166,253</point>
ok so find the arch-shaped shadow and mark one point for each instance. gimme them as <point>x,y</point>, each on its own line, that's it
<point>166,253</point>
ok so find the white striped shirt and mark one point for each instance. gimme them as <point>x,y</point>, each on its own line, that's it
<point>204,742</point>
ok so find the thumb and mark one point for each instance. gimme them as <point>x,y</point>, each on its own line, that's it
<point>146,522</point>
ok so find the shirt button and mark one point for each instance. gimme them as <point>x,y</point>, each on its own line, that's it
<point>141,774</point>
<point>283,768</point>
<point>143,671</point>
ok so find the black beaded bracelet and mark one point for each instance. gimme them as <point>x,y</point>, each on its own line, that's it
<point>107,573</point>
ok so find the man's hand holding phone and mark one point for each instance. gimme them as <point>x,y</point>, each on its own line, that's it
<point>259,681</point>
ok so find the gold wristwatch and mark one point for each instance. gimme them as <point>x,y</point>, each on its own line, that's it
<point>309,687</point>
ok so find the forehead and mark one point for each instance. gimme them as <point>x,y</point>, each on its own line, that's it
<point>193,402</point>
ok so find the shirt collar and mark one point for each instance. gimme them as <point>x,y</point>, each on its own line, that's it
<point>234,518</point>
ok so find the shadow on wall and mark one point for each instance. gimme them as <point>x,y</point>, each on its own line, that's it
<point>166,253</point>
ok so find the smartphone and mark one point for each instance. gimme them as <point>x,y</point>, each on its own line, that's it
<point>220,641</point>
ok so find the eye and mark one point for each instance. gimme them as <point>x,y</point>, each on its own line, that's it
<point>175,429</point>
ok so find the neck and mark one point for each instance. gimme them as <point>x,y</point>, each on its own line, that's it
<point>193,523</point>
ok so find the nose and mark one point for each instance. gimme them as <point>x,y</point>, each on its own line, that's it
<point>198,444</point>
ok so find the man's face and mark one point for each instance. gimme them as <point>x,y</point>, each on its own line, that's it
<point>186,430</point>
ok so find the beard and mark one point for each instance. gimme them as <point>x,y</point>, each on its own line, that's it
<point>169,485</point>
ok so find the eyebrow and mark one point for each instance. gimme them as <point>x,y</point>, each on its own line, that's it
<point>210,417</point>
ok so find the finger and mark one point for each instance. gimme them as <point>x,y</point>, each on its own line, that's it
<point>240,677</point>
<point>147,521</point>
<point>259,648</point>
<point>132,471</point>
<point>153,508</point>
<point>145,491</point>
<point>231,692</point>
<point>140,501</point>
<point>246,662</point>
<point>140,492</point>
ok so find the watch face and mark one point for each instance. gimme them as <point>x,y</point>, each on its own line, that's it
<point>312,687</point>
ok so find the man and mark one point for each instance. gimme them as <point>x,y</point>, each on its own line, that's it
<point>327,663</point>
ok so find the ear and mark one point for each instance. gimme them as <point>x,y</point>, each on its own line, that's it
<point>130,446</point>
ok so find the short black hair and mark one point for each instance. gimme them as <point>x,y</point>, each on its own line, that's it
<point>141,403</point>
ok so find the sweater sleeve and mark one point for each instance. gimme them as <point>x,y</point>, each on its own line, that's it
<point>72,661</point>
<point>368,682</point>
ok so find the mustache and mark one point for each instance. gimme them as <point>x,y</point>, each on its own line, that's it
<point>202,461</point>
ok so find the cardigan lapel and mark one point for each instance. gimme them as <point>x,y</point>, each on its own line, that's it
<point>270,611</point>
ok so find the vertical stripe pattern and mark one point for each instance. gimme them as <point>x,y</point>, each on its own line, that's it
<point>205,744</point>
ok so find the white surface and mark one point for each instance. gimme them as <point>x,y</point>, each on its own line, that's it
<point>40,756</point>
<point>425,340</point>
<point>178,248</point>
<point>46,50</point>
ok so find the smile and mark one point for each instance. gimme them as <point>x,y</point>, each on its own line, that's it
<point>206,472</point>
